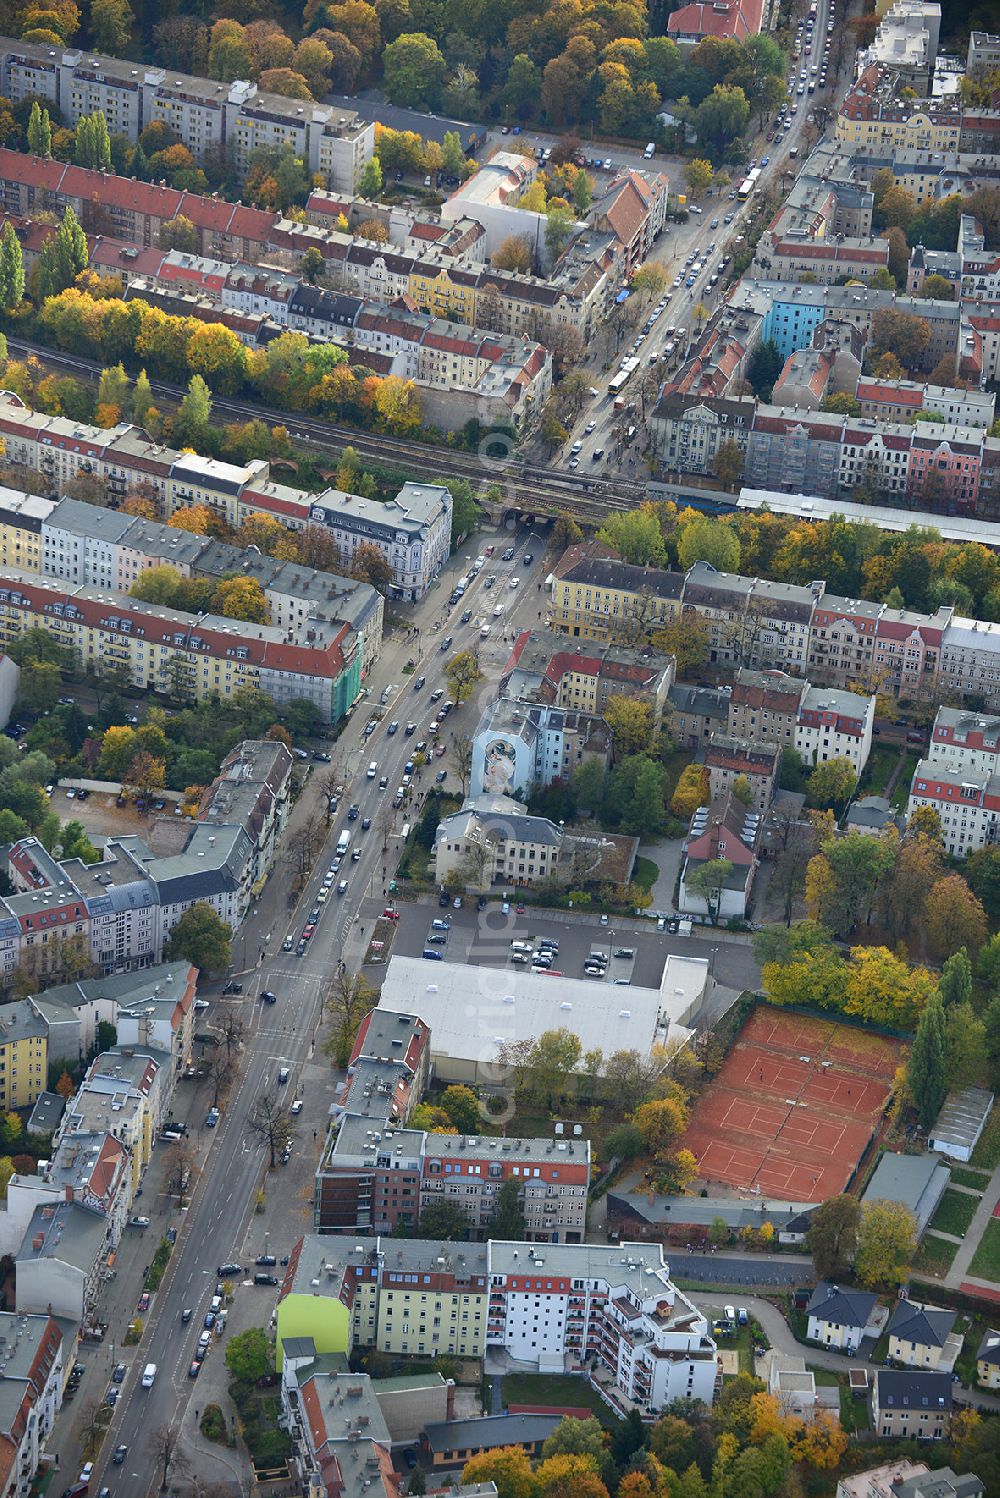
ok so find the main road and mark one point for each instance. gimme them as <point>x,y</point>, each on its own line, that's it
<point>283,1034</point>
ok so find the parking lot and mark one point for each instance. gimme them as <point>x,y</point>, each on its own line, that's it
<point>484,938</point>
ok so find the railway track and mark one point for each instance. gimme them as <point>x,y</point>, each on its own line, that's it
<point>531,489</point>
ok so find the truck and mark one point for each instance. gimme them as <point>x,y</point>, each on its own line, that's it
<point>343,843</point>
<point>149,1376</point>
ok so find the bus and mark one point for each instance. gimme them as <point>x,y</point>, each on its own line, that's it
<point>618,382</point>
<point>749,184</point>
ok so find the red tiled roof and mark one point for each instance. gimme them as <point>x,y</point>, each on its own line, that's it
<point>735,18</point>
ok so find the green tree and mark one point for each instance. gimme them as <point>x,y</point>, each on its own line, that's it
<point>553,1058</point>
<point>11,269</point>
<point>965,1041</point>
<point>887,1243</point>
<point>831,784</point>
<point>764,368</point>
<point>991,1038</point>
<point>559,223</point>
<point>93,142</point>
<point>63,257</point>
<point>636,536</point>
<point>39,131</point>
<point>927,1070</point>
<point>370,180</point>
<point>202,937</point>
<point>195,413</point>
<point>727,463</point>
<point>111,23</point>
<point>462,1107</point>
<point>250,1355</point>
<point>462,673</point>
<point>705,539</point>
<point>698,175</point>
<point>707,881</point>
<point>142,398</point>
<point>647,813</point>
<point>955,986</point>
<point>413,70</point>
<point>507,1220</point>
<point>455,160</point>
<point>722,117</point>
<point>444,1220</point>
<point>573,1437</point>
<point>833,1236</point>
<point>312,264</point>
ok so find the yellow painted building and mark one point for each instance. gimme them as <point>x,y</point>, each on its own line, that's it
<point>602,600</point>
<point>443,296</point>
<point>21,517</point>
<point>415,1318</point>
<point>23,1055</point>
<point>891,131</point>
<point>988,1360</point>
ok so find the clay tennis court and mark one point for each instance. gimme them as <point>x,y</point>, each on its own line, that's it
<point>794,1107</point>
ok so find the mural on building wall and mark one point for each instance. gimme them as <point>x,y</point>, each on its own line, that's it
<point>499,768</point>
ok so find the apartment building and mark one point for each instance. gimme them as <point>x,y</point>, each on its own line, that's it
<point>727,757</point>
<point>517,744</point>
<point>614,1305</point>
<point>834,724</point>
<point>722,601</point>
<point>376,1175</point>
<point>553,1177</point>
<point>842,640</point>
<point>541,669</point>
<point>23,1048</point>
<point>906,1479</point>
<point>206,115</point>
<point>604,598</point>
<point>119,911</point>
<point>966,801</point>
<point>413,531</point>
<point>632,207</point>
<point>31,1386</point>
<point>493,838</point>
<point>965,741</point>
<point>205,655</point>
<point>698,712</point>
<point>614,1308</point>
<point>492,377</point>
<point>764,705</point>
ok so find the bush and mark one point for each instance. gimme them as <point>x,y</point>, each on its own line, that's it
<point>159,1265</point>
<point>213,1425</point>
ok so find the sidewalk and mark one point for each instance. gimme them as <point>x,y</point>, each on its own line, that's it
<point>959,1271</point>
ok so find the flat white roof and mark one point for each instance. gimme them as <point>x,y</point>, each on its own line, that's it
<point>681,988</point>
<point>812,507</point>
<point>472,1011</point>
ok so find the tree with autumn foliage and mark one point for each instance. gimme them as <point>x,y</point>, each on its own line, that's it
<point>371,565</point>
<point>243,598</point>
<point>198,519</point>
<point>509,1467</point>
<point>569,1476</point>
<point>691,791</point>
<point>953,918</point>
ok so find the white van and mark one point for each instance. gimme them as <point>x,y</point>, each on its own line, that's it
<point>149,1376</point>
<point>650,150</point>
<point>343,843</point>
<point>373,769</point>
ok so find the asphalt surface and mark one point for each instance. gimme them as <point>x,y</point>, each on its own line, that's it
<point>718,1269</point>
<point>484,937</point>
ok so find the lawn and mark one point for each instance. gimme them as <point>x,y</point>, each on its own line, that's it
<point>645,873</point>
<point>825,1377</point>
<point>853,1412</point>
<point>881,763</point>
<point>556,1390</point>
<point>955,1212</point>
<point>901,794</point>
<point>934,1257</point>
<point>961,1176</point>
<point>986,1260</point>
<point>987,1152</point>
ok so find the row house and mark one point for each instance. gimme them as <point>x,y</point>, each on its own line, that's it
<point>722,601</point>
<point>908,649</point>
<point>633,207</point>
<point>966,801</point>
<point>834,724</point>
<point>900,400</point>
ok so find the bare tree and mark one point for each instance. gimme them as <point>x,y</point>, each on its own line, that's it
<point>268,1121</point>
<point>301,852</point>
<point>386,823</point>
<point>329,783</point>
<point>93,1427</point>
<point>348,998</point>
<point>233,1031</point>
<point>219,1071</point>
<point>478,864</point>
<point>165,1450</point>
<point>461,758</point>
<point>180,1165</point>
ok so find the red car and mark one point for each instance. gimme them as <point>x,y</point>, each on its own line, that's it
<point>308,930</point>
<point>519,909</point>
<point>143,1301</point>
<point>390,915</point>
